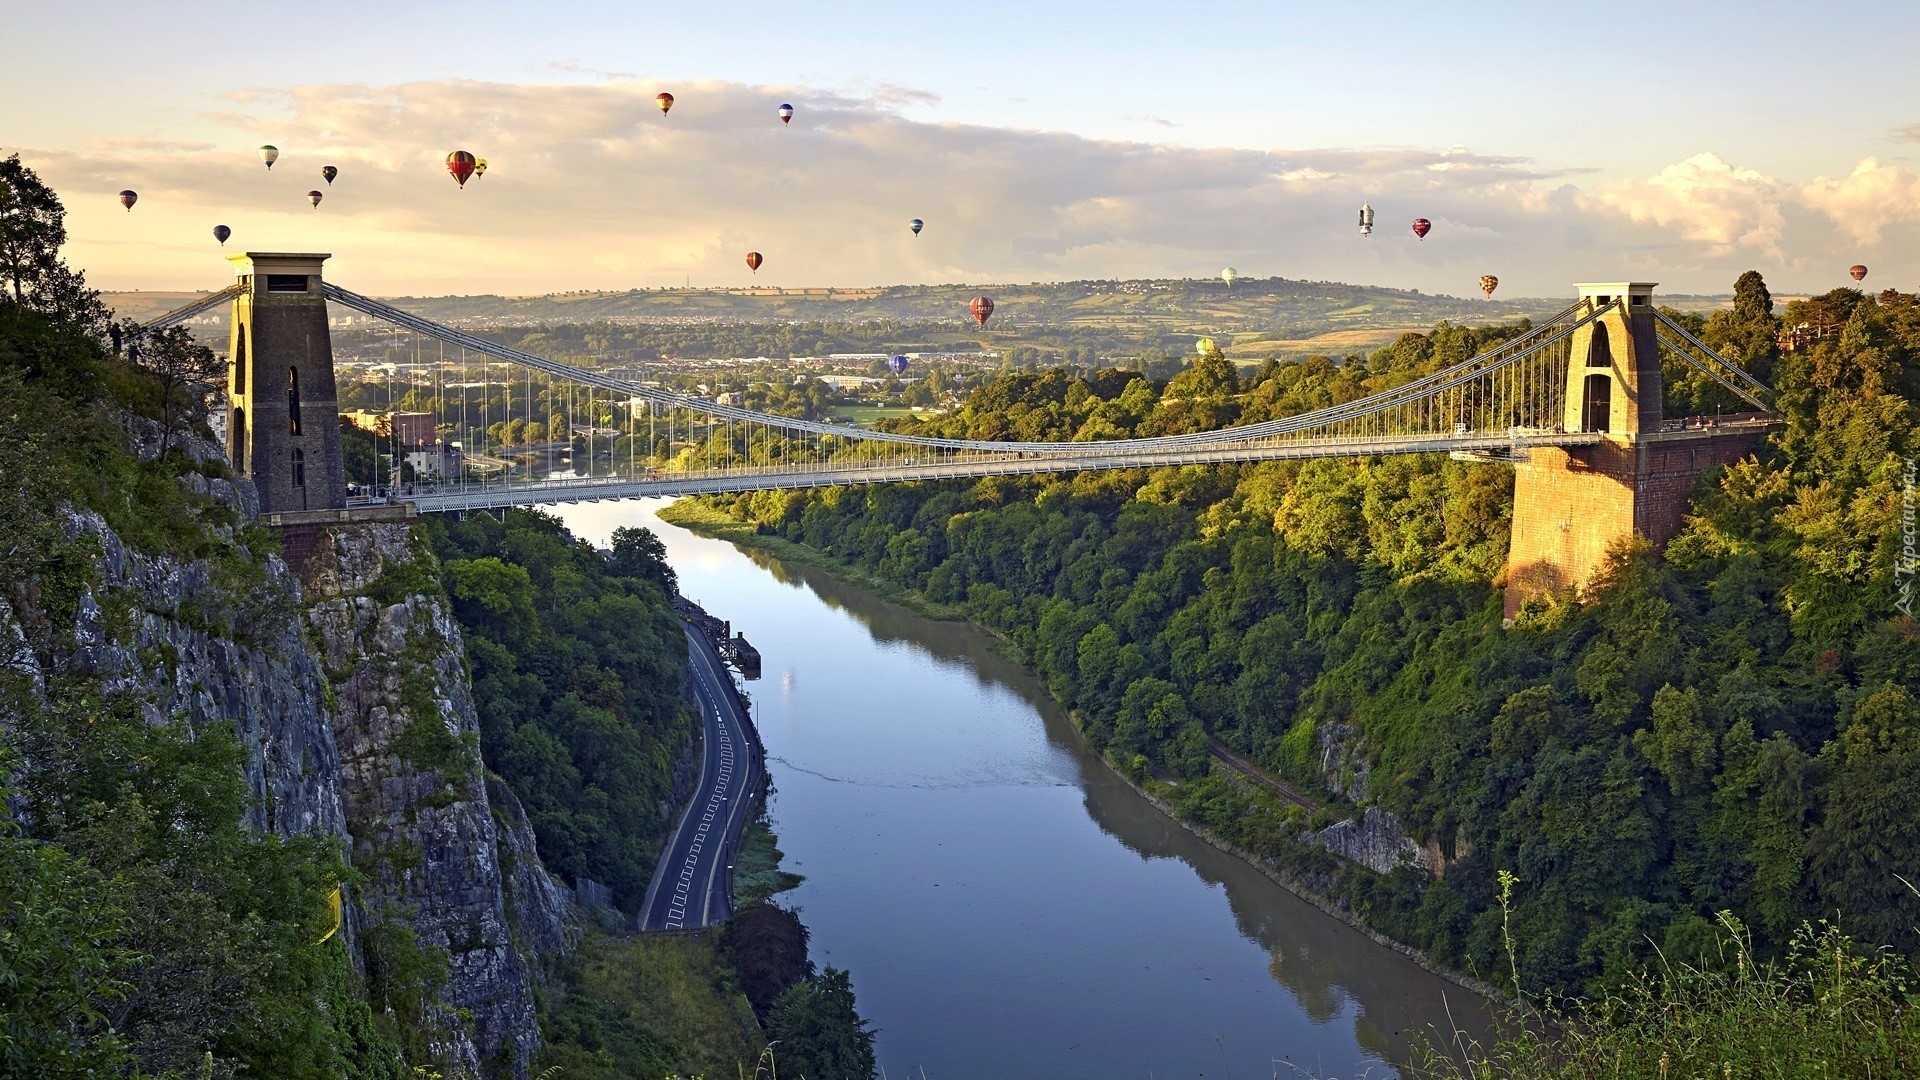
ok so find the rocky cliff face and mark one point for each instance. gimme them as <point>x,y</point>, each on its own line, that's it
<point>1374,839</point>
<point>204,640</point>
<point>354,703</point>
<point>442,847</point>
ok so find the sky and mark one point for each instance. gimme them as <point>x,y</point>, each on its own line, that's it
<point>1547,143</point>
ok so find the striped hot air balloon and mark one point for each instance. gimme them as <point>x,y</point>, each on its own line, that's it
<point>460,166</point>
<point>982,309</point>
<point>753,261</point>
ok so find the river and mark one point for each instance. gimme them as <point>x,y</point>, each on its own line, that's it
<point>1007,905</point>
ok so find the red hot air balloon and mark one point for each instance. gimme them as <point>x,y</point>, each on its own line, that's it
<point>220,233</point>
<point>460,166</point>
<point>1858,271</point>
<point>128,198</point>
<point>664,100</point>
<point>982,309</point>
<point>1421,226</point>
<point>753,261</point>
<point>314,197</point>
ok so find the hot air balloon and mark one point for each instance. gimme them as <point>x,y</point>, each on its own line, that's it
<point>897,365</point>
<point>664,100</point>
<point>753,261</point>
<point>220,233</point>
<point>269,154</point>
<point>1488,283</point>
<point>1203,346</point>
<point>479,166</point>
<point>916,225</point>
<point>460,165</point>
<point>1229,275</point>
<point>786,114</point>
<point>1366,219</point>
<point>128,198</point>
<point>1858,271</point>
<point>327,173</point>
<point>1421,226</point>
<point>314,197</point>
<point>982,309</point>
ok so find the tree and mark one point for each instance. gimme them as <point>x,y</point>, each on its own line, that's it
<point>32,230</point>
<point>178,363</point>
<point>638,553</point>
<point>820,1035</point>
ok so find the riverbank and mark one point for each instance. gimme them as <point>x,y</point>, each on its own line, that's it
<point>1314,875</point>
<point>704,520</point>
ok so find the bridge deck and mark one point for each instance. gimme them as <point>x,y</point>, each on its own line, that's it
<point>488,496</point>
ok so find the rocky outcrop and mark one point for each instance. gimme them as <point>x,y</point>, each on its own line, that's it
<point>1373,840</point>
<point>444,847</point>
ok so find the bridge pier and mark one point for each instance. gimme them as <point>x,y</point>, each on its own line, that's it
<point>1571,504</point>
<point>283,416</point>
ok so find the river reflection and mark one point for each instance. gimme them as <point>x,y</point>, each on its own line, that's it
<point>1007,905</point>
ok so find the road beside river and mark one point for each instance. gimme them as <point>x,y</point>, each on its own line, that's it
<point>1007,905</point>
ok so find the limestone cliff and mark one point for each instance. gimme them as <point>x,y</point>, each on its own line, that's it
<point>442,847</point>
<point>351,696</point>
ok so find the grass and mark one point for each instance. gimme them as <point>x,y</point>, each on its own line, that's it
<point>648,1006</point>
<point>1829,1008</point>
<point>756,868</point>
<point>867,414</point>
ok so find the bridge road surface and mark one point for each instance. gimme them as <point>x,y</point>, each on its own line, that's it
<point>693,882</point>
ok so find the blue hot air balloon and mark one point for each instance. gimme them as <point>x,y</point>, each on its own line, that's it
<point>897,365</point>
<point>786,114</point>
<point>916,225</point>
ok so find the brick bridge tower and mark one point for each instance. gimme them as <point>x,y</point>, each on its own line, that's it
<point>283,417</point>
<point>1571,503</point>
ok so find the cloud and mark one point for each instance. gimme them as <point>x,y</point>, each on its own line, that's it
<point>1865,201</point>
<point>1909,133</point>
<point>1704,199</point>
<point>589,186</point>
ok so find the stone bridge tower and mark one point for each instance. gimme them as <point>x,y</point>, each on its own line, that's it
<point>1570,504</point>
<point>283,417</point>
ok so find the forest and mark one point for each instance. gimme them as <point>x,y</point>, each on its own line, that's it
<point>1728,726</point>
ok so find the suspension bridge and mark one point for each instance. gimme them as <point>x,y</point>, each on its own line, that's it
<point>1586,376</point>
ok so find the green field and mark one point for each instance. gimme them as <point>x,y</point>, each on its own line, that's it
<point>867,414</point>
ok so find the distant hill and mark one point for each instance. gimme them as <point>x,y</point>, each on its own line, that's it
<point>1266,305</point>
<point>1257,319</point>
